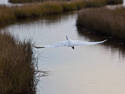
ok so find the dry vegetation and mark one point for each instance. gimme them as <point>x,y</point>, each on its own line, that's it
<point>17,72</point>
<point>6,15</point>
<point>104,21</point>
<point>12,14</point>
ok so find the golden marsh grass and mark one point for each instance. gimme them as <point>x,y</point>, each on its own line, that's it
<point>17,71</point>
<point>103,20</point>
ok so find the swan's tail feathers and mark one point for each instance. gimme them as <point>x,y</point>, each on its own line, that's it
<point>103,41</point>
<point>98,42</point>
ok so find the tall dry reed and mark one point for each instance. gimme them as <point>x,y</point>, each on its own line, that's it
<point>17,71</point>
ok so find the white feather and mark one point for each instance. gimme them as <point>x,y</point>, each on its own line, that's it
<point>69,43</point>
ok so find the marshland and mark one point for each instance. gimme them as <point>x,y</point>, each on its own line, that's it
<point>98,69</point>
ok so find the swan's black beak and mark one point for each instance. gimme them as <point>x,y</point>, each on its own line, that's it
<point>73,47</point>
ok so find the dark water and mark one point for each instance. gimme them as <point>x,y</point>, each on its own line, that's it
<point>98,69</point>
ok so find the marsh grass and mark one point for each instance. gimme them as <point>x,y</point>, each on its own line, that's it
<point>6,15</point>
<point>12,14</point>
<point>47,8</point>
<point>34,10</point>
<point>17,71</point>
<point>103,21</point>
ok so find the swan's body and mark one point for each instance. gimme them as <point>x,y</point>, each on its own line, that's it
<point>70,43</point>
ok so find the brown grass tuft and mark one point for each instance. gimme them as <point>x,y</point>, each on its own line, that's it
<point>16,67</point>
<point>102,20</point>
<point>6,15</point>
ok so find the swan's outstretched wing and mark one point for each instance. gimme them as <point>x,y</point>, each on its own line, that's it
<point>80,43</point>
<point>58,44</point>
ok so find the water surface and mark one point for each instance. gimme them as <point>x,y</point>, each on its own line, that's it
<point>4,2</point>
<point>98,69</point>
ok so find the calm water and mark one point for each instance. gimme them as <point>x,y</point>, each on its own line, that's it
<point>98,69</point>
<point>123,2</point>
<point>3,1</point>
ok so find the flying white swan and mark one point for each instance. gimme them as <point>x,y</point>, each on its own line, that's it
<point>69,43</point>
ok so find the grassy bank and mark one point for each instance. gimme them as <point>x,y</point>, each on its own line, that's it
<point>103,21</point>
<point>17,73</point>
<point>34,10</point>
<point>12,14</point>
